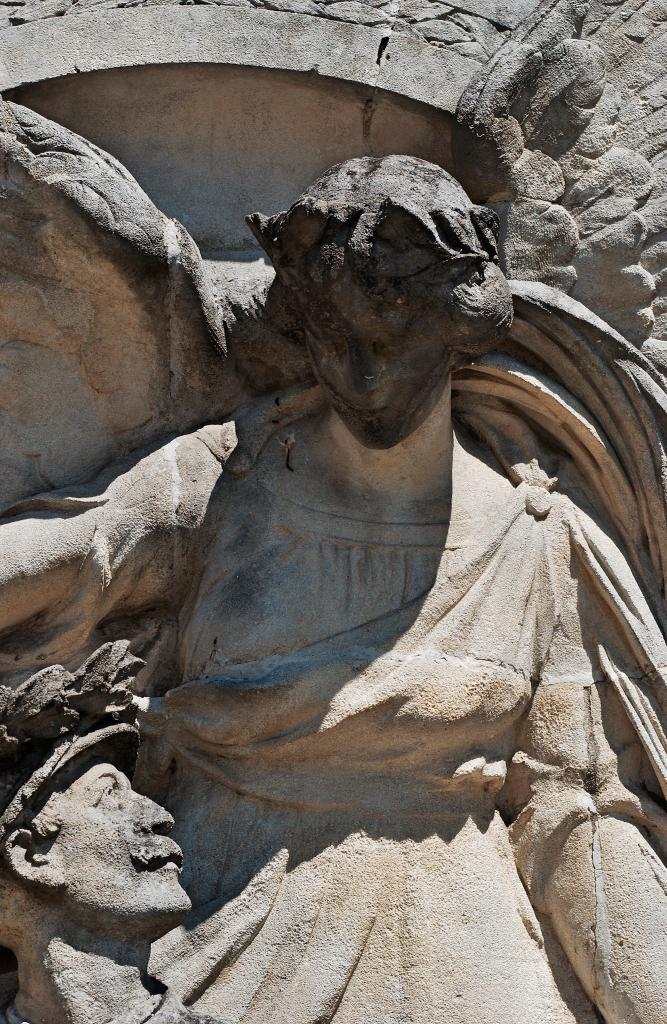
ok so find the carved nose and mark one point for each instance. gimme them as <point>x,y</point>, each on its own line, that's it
<point>364,371</point>
<point>154,819</point>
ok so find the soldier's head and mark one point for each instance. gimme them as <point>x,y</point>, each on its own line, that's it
<point>79,848</point>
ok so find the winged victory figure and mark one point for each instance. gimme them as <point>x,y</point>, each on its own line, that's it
<point>390,534</point>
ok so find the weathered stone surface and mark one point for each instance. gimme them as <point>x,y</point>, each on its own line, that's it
<point>88,877</point>
<point>401,62</point>
<point>356,527</point>
<point>136,275</point>
<point>472,27</point>
<point>567,114</point>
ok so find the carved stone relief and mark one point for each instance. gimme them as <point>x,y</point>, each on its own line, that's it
<point>467,27</point>
<point>359,550</point>
<point>88,875</point>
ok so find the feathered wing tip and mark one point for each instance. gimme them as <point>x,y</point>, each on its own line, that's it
<point>564,133</point>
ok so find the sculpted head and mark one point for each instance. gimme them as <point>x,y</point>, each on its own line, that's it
<point>98,856</point>
<point>80,851</point>
<point>392,273</point>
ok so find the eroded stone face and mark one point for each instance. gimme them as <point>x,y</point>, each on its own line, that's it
<point>88,875</point>
<point>111,855</point>
<point>390,270</point>
<point>399,594</point>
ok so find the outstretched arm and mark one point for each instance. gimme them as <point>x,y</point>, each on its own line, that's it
<point>71,561</point>
<point>587,847</point>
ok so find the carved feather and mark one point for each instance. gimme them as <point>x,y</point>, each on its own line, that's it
<point>565,134</point>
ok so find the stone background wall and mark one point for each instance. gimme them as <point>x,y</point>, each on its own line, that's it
<point>471,28</point>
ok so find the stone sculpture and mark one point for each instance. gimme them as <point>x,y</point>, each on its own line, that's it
<point>401,598</point>
<point>88,875</point>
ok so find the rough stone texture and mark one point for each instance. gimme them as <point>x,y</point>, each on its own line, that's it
<point>380,504</point>
<point>399,62</point>
<point>471,28</point>
<point>562,134</point>
<point>88,876</point>
<point>136,274</point>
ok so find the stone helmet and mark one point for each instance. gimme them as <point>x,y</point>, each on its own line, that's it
<point>57,718</point>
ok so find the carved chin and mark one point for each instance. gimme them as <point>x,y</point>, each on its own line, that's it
<point>388,426</point>
<point>380,429</point>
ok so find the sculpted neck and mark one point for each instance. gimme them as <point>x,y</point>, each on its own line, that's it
<point>59,983</point>
<point>405,480</point>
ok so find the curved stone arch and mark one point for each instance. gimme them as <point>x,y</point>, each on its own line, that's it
<point>282,96</point>
<point>367,55</point>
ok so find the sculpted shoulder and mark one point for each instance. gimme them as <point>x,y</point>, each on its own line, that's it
<point>75,560</point>
<point>171,485</point>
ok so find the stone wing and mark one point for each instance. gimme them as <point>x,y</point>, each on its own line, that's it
<point>110,336</point>
<point>564,133</point>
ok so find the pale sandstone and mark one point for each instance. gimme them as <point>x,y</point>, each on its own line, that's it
<point>374,489</point>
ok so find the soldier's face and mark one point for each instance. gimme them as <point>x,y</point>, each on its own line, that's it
<point>119,870</point>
